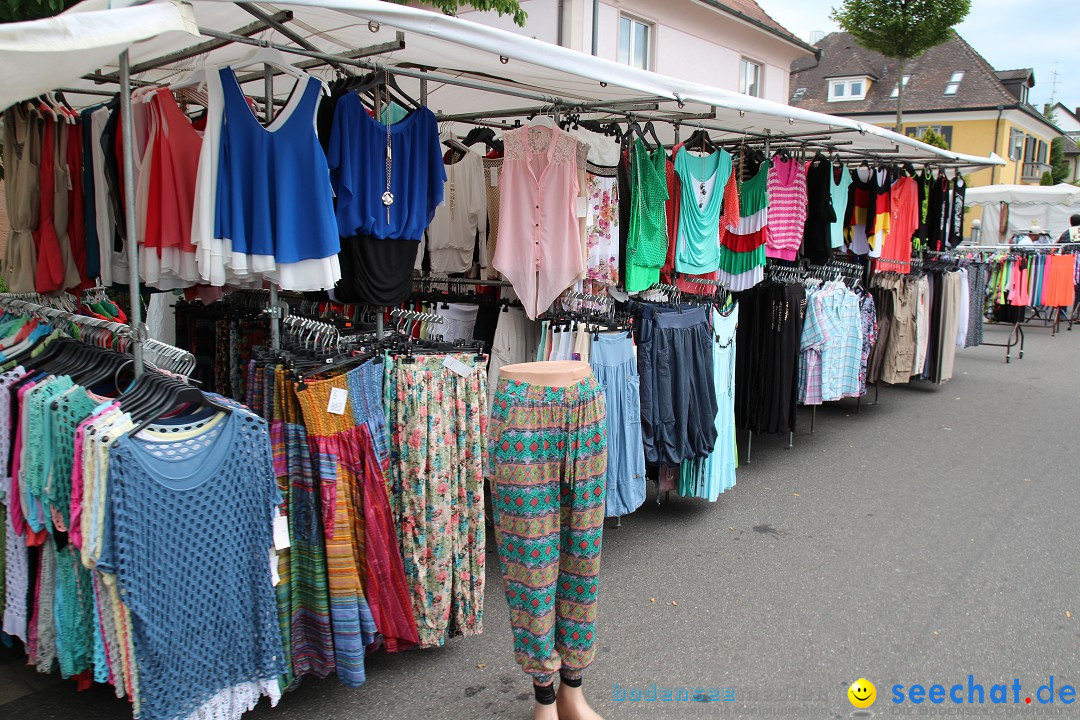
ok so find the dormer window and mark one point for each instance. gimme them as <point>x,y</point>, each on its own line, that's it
<point>954,83</point>
<point>848,88</point>
<point>896,90</point>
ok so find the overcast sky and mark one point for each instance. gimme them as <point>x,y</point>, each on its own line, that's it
<point>1040,34</point>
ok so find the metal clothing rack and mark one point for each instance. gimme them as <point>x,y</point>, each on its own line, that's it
<point>810,140</point>
<point>103,333</point>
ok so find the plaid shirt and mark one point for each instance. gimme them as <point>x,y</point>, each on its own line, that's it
<point>832,345</point>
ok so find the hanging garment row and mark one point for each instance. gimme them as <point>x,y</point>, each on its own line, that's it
<point>218,193</point>
<point>1033,279</point>
<point>923,317</point>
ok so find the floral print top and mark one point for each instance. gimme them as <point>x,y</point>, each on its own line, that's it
<point>602,225</point>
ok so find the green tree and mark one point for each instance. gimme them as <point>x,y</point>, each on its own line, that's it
<point>900,29</point>
<point>932,137</point>
<point>15,10</point>
<point>1059,167</point>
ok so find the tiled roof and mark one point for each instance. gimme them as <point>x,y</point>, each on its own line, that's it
<point>750,10</point>
<point>930,73</point>
<point>1018,74</point>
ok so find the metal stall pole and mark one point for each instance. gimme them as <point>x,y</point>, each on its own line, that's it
<point>135,313</point>
<point>749,440</point>
<point>274,310</point>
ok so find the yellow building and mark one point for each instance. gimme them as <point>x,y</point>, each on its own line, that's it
<point>950,88</point>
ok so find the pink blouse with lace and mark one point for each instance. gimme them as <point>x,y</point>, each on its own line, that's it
<point>539,248</point>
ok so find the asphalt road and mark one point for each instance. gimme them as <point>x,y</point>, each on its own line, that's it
<point>927,538</point>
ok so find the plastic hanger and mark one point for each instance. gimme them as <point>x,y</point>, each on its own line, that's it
<point>700,140</point>
<point>543,121</point>
<point>275,58</point>
<point>176,396</point>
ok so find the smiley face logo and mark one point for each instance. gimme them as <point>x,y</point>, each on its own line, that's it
<point>862,693</point>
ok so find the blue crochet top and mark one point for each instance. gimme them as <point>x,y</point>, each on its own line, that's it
<point>188,535</point>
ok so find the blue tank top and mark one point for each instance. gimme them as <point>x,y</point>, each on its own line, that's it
<point>357,157</point>
<point>273,186</point>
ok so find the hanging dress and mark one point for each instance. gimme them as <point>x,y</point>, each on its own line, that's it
<point>647,240</point>
<point>22,156</point>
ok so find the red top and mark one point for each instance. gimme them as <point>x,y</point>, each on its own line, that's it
<point>174,164</point>
<point>49,273</point>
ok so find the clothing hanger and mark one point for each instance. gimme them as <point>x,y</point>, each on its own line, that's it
<point>377,79</point>
<point>477,135</point>
<point>700,140</point>
<point>651,130</point>
<point>543,121</point>
<point>447,138</point>
<point>174,395</point>
<point>276,59</point>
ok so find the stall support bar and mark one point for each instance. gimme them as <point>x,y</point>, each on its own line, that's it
<point>132,241</point>
<point>275,313</point>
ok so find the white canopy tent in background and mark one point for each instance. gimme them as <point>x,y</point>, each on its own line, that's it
<point>60,52</point>
<point>1049,207</point>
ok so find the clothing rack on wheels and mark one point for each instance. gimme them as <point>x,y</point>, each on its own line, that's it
<point>1015,338</point>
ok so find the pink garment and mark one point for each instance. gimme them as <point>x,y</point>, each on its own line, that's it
<point>75,513</point>
<point>787,208</point>
<point>15,506</point>
<point>539,248</point>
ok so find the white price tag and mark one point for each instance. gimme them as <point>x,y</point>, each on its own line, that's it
<point>281,532</point>
<point>275,578</point>
<point>338,398</point>
<point>455,365</point>
<point>582,206</point>
<point>494,177</point>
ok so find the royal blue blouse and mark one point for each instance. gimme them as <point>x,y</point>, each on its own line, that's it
<point>357,158</point>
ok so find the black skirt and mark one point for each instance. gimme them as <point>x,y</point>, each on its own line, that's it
<point>376,272</point>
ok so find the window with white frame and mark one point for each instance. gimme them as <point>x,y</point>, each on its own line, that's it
<point>847,89</point>
<point>635,38</point>
<point>896,90</point>
<point>954,83</point>
<point>750,77</point>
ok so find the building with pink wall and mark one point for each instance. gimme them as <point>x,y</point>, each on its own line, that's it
<point>731,44</point>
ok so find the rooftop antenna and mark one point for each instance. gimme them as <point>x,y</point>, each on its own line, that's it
<point>1053,85</point>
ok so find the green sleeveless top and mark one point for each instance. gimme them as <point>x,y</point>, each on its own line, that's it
<point>647,241</point>
<point>753,194</point>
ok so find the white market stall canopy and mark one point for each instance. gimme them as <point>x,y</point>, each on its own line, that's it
<point>472,71</point>
<point>1061,194</point>
<point>1014,209</point>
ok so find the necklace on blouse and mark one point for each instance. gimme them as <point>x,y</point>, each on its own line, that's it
<point>453,185</point>
<point>701,185</point>
<point>388,197</point>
